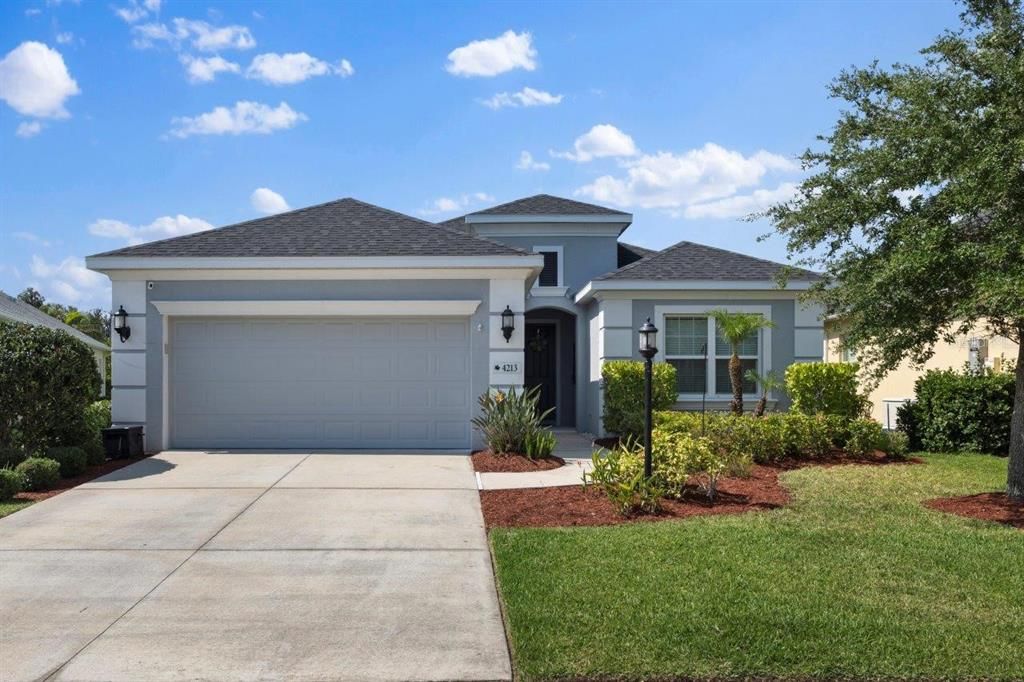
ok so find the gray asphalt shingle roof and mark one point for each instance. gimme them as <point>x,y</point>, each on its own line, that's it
<point>546,204</point>
<point>19,311</point>
<point>345,227</point>
<point>690,261</point>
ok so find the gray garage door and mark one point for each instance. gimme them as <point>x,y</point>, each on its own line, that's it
<point>320,383</point>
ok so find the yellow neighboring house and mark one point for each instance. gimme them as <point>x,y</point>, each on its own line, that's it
<point>898,385</point>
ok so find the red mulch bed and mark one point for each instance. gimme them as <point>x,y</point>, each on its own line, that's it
<point>986,506</point>
<point>486,462</point>
<point>576,506</point>
<point>91,473</point>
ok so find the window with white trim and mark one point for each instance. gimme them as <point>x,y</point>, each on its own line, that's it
<point>551,274</point>
<point>695,347</point>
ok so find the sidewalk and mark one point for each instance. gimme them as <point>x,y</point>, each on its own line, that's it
<point>574,447</point>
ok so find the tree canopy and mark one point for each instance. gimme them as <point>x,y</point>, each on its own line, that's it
<point>914,203</point>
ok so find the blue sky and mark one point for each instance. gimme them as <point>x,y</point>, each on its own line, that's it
<point>132,120</point>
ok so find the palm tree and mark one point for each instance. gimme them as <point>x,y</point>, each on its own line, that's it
<point>767,383</point>
<point>736,327</point>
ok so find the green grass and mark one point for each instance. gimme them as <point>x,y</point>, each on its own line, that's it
<point>854,580</point>
<point>7,508</point>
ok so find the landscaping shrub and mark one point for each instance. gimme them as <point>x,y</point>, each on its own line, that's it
<point>540,444</point>
<point>896,444</point>
<point>97,418</point>
<point>866,436</point>
<point>620,474</point>
<point>509,419</point>
<point>960,411</point>
<point>39,473</point>
<point>11,457</point>
<point>825,388</point>
<point>73,461</point>
<point>47,378</point>
<point>623,382</point>
<point>680,458</point>
<point>11,483</point>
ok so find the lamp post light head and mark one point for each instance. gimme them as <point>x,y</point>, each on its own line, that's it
<point>508,323</point>
<point>119,321</point>
<point>648,339</point>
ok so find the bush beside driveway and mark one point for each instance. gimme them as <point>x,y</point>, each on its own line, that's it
<point>856,579</point>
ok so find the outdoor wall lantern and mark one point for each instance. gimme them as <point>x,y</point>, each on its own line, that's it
<point>648,349</point>
<point>508,323</point>
<point>120,323</point>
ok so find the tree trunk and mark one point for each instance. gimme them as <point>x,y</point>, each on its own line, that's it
<point>736,377</point>
<point>762,403</point>
<point>1015,475</point>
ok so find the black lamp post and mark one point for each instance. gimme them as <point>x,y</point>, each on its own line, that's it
<point>119,321</point>
<point>648,349</point>
<point>508,323</point>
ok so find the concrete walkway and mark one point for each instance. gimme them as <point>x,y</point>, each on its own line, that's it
<point>575,448</point>
<point>246,566</point>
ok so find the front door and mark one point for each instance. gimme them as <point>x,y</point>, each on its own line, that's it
<point>542,364</point>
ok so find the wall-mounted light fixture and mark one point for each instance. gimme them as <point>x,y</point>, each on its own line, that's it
<point>120,323</point>
<point>508,323</point>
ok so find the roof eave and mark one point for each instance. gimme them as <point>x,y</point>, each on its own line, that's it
<point>104,263</point>
<point>625,219</point>
<point>596,286</point>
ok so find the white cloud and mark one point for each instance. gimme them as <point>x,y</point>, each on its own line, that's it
<point>69,281</point>
<point>33,12</point>
<point>35,82</point>
<point>28,129</point>
<point>704,182</point>
<point>136,11</point>
<point>450,205</point>
<point>65,37</point>
<point>267,201</point>
<point>32,237</point>
<point>161,228</point>
<point>508,51</point>
<point>741,204</point>
<point>203,36</point>
<point>205,69</point>
<point>526,162</point>
<point>527,97</point>
<point>243,118</point>
<point>294,67</point>
<point>601,141</point>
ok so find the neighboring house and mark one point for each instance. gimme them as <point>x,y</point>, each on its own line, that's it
<point>977,349</point>
<point>346,325</point>
<point>19,311</point>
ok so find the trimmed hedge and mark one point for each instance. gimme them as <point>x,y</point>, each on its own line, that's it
<point>623,382</point>
<point>40,473</point>
<point>73,461</point>
<point>11,483</point>
<point>47,379</point>
<point>825,388</point>
<point>97,418</point>
<point>960,412</point>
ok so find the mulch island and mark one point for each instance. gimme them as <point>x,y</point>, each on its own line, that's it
<point>579,506</point>
<point>486,461</point>
<point>985,506</point>
<point>66,484</point>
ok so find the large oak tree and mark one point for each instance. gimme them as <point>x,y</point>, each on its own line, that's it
<point>914,205</point>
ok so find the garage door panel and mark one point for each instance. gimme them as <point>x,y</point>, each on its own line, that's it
<point>288,383</point>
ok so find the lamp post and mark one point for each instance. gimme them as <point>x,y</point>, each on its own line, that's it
<point>648,349</point>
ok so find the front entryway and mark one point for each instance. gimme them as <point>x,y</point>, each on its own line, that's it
<point>550,362</point>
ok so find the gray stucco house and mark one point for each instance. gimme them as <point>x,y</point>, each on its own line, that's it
<point>346,325</point>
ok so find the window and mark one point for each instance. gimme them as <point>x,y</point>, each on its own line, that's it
<point>686,341</point>
<point>551,275</point>
<point>696,355</point>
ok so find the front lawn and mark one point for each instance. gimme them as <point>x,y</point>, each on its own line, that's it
<point>855,579</point>
<point>11,506</point>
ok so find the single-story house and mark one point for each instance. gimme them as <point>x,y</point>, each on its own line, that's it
<point>347,325</point>
<point>19,311</point>
<point>978,348</point>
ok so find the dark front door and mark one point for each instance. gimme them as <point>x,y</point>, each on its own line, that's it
<point>542,364</point>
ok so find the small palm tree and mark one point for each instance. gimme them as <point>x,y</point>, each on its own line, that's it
<point>736,327</point>
<point>767,383</point>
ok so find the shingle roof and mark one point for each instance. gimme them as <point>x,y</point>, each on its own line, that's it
<point>19,311</point>
<point>690,261</point>
<point>346,227</point>
<point>545,204</point>
<point>631,253</point>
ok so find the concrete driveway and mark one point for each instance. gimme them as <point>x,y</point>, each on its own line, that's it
<point>255,566</point>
